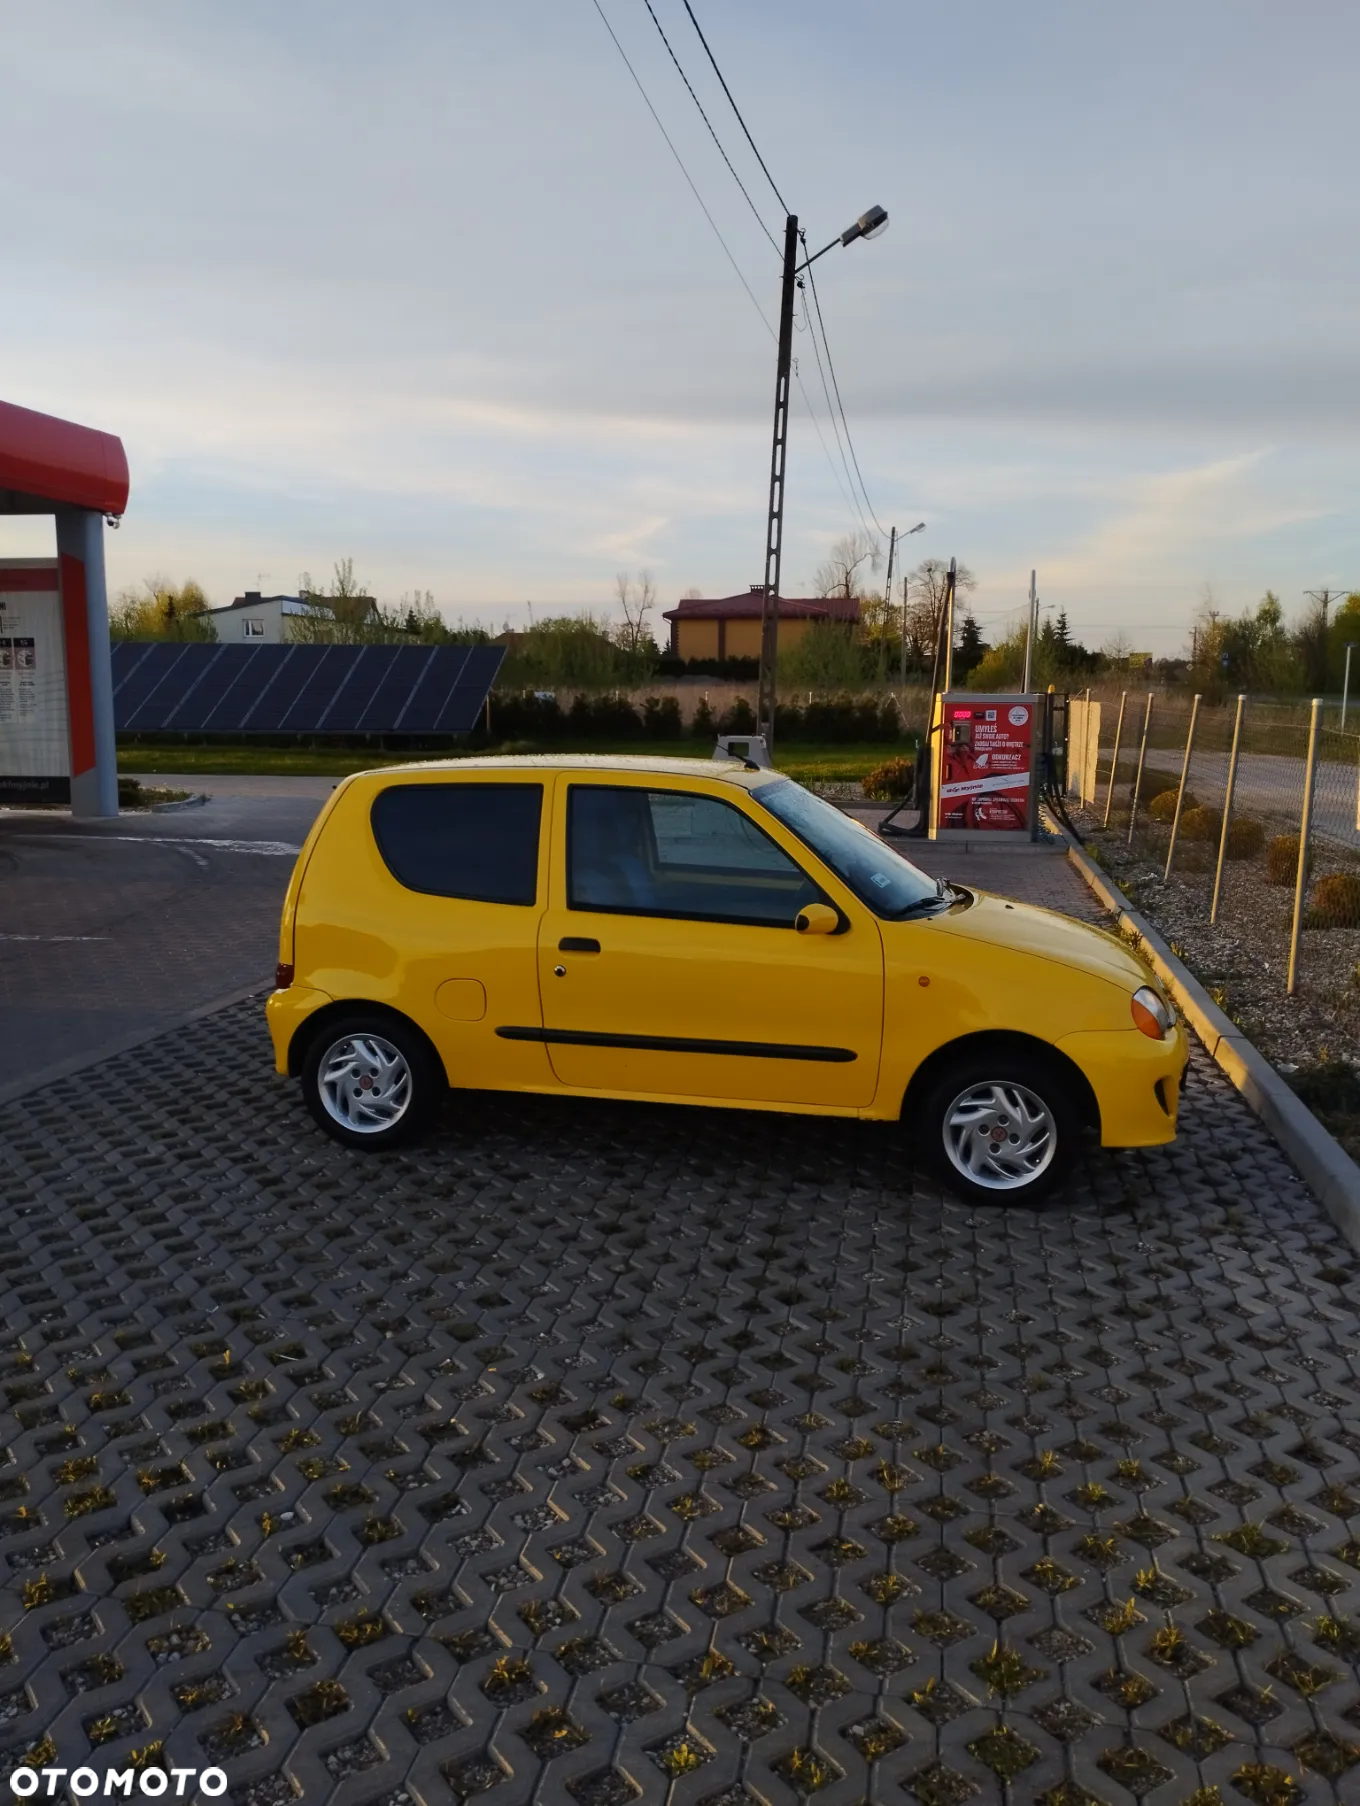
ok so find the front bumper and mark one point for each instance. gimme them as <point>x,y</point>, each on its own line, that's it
<point>1136,1082</point>
<point>285,1012</point>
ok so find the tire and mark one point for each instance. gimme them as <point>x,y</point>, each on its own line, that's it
<point>999,1128</point>
<point>371,1081</point>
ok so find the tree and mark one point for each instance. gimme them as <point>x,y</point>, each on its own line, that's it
<point>158,610</point>
<point>693,595</point>
<point>840,575</point>
<point>972,648</point>
<point>927,587</point>
<point>636,598</point>
<point>823,657</point>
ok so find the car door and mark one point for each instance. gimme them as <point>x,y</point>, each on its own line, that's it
<point>668,959</point>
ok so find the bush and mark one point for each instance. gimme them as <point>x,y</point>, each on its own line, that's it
<point>1282,859</point>
<point>661,718</point>
<point>1246,837</point>
<point>1335,902</point>
<point>1202,823</point>
<point>1163,805</point>
<point>739,719</point>
<point>892,780</point>
<point>704,723</point>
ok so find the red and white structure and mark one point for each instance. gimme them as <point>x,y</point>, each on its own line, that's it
<point>56,685</point>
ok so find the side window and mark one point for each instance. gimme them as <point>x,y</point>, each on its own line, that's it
<point>672,853</point>
<point>252,630</point>
<point>478,841</point>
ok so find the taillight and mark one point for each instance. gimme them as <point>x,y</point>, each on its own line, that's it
<point>283,976</point>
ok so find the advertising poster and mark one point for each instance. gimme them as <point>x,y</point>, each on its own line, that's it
<point>985,765</point>
<point>35,754</point>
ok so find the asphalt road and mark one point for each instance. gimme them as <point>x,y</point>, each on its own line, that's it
<point>109,931</point>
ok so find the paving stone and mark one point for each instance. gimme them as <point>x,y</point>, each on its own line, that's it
<point>598,1453</point>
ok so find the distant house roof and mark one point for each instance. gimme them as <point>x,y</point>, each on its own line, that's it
<point>292,605</point>
<point>748,605</point>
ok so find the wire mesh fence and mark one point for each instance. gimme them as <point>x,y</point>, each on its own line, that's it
<point>1236,826</point>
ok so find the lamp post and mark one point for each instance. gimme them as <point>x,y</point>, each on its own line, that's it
<point>868,225</point>
<point>920,527</point>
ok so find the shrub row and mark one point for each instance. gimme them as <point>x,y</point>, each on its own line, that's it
<point>523,715</point>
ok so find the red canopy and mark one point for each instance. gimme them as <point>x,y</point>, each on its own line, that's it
<point>44,460</point>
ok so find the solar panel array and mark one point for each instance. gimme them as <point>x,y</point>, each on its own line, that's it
<point>196,688</point>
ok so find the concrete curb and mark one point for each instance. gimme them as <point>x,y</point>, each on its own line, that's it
<point>63,1069</point>
<point>189,802</point>
<point>1323,1162</point>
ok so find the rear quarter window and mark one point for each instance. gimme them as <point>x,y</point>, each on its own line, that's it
<point>476,841</point>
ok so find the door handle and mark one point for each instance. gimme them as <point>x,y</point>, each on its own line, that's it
<point>577,943</point>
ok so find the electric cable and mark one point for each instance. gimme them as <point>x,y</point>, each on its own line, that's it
<point>847,498</point>
<point>684,172</point>
<point>812,281</point>
<point>727,252</point>
<point>732,103</point>
<point>832,413</point>
<point>712,134</point>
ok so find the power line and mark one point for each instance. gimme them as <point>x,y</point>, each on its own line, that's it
<point>727,252</point>
<point>846,496</point>
<point>684,172</point>
<point>735,108</point>
<point>709,123</point>
<point>840,405</point>
<point>832,414</point>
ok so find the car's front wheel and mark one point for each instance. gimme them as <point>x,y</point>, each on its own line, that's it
<point>371,1082</point>
<point>999,1129</point>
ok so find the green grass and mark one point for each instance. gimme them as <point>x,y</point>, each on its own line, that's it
<point>820,764</point>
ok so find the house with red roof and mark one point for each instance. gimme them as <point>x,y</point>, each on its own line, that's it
<point>729,626</point>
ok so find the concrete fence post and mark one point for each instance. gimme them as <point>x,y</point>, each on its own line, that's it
<point>1138,775</point>
<point>1305,829</point>
<point>1180,794</point>
<point>1228,792</point>
<point>1114,762</point>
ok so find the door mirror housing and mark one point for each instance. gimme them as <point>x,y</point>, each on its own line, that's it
<point>817,918</point>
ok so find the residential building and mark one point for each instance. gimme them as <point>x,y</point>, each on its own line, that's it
<point>729,626</point>
<point>271,620</point>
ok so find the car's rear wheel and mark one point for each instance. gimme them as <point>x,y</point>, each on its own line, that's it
<point>999,1129</point>
<point>371,1082</point>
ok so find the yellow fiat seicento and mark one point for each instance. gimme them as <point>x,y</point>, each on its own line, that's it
<point>685,931</point>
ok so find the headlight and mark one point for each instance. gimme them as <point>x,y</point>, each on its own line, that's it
<point>1150,1013</point>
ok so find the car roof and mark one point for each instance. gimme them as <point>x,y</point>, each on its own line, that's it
<point>726,770</point>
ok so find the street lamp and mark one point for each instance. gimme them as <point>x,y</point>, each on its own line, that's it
<point>920,527</point>
<point>868,225</point>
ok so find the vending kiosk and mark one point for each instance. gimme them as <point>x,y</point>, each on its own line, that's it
<point>985,758</point>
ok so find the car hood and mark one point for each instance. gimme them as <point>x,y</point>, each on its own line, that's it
<point>1045,934</point>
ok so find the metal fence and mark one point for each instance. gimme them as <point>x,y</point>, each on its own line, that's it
<point>1240,818</point>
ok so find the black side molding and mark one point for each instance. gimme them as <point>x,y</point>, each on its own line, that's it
<point>749,1050</point>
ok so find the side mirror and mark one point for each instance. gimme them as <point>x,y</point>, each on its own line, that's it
<point>817,918</point>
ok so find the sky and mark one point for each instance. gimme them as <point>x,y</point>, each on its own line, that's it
<point>421,284</point>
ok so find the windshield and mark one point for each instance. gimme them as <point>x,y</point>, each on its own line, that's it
<point>883,879</point>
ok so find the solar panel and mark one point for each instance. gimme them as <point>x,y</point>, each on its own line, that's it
<point>155,685</point>
<point>356,689</point>
<point>197,688</point>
